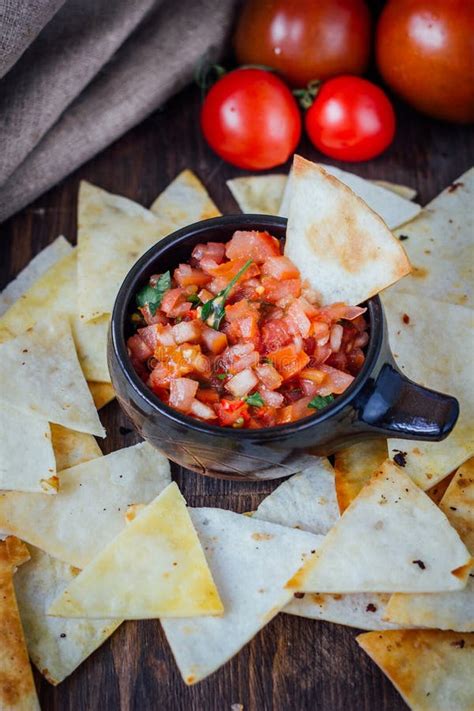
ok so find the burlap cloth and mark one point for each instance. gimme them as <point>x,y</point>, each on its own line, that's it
<point>76,74</point>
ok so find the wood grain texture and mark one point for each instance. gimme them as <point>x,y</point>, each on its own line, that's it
<point>293,664</point>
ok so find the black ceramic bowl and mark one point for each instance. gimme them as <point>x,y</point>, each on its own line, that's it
<point>381,402</point>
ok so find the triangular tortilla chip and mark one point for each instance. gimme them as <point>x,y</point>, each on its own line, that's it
<point>403,190</point>
<point>40,374</point>
<point>35,269</point>
<point>362,610</point>
<point>392,538</point>
<point>113,232</point>
<point>154,568</point>
<point>17,551</point>
<point>17,687</point>
<point>341,247</point>
<point>306,500</point>
<point>354,467</point>
<point>258,194</point>
<point>54,295</point>
<point>440,246</point>
<point>390,206</point>
<point>419,326</point>
<point>250,561</point>
<point>432,670</point>
<point>102,393</point>
<point>437,491</point>
<point>26,453</point>
<point>56,646</point>
<point>446,611</point>
<point>89,509</point>
<point>184,201</point>
<point>72,448</point>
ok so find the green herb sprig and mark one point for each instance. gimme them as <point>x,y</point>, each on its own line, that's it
<point>153,295</point>
<point>255,400</point>
<point>319,401</point>
<point>213,311</point>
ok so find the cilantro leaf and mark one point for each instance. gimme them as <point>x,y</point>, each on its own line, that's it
<point>194,299</point>
<point>319,401</point>
<point>153,295</point>
<point>213,311</point>
<point>255,400</point>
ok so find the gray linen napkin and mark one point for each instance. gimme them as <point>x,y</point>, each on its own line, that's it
<point>77,74</point>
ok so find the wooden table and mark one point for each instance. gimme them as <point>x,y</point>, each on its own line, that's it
<point>293,664</point>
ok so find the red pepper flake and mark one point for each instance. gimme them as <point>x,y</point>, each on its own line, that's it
<point>460,643</point>
<point>406,318</point>
<point>371,607</point>
<point>419,563</point>
<point>299,596</point>
<point>454,186</point>
<point>400,458</point>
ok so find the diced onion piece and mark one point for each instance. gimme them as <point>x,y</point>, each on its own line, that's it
<point>297,314</point>
<point>269,376</point>
<point>280,268</point>
<point>336,337</point>
<point>187,332</point>
<point>182,393</point>
<point>337,381</point>
<point>215,341</point>
<point>242,383</point>
<point>164,336</point>
<point>201,410</point>
<point>271,398</point>
<point>139,350</point>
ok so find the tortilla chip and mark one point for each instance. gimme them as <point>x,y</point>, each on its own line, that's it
<point>403,190</point>
<point>437,491</point>
<point>354,467</point>
<point>17,687</point>
<point>40,374</point>
<point>54,295</point>
<point>18,553</point>
<point>306,500</point>
<point>89,509</point>
<point>432,670</point>
<point>258,194</point>
<point>56,646</point>
<point>113,232</point>
<point>102,393</point>
<point>440,245</point>
<point>183,202</point>
<point>390,207</point>
<point>392,538</point>
<point>341,247</point>
<point>154,568</point>
<point>26,452</point>
<point>419,326</point>
<point>72,448</point>
<point>362,610</point>
<point>35,269</point>
<point>446,611</point>
<point>250,561</point>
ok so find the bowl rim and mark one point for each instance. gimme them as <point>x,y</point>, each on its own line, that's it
<point>130,285</point>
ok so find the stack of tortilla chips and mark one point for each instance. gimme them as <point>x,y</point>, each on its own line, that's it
<point>380,542</point>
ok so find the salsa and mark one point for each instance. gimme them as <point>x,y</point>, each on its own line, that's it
<point>235,338</point>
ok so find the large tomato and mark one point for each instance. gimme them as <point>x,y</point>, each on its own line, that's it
<point>305,39</point>
<point>425,53</point>
<point>251,119</point>
<point>351,119</point>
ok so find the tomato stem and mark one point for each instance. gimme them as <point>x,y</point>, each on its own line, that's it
<point>207,74</point>
<point>307,96</point>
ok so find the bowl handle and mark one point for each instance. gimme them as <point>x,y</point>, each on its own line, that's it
<point>394,406</point>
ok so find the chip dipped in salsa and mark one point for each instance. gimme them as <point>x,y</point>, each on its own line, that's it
<point>235,338</point>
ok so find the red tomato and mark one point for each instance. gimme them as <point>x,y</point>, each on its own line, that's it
<point>425,52</point>
<point>351,119</point>
<point>251,119</point>
<point>303,39</point>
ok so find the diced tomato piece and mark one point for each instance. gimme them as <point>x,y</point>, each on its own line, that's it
<point>217,285</point>
<point>269,376</point>
<point>215,341</point>
<point>277,290</point>
<point>265,416</point>
<point>321,354</point>
<point>139,350</point>
<point>149,335</point>
<point>230,411</point>
<point>285,415</point>
<point>337,381</point>
<point>208,395</point>
<point>201,410</point>
<point>309,388</point>
<point>254,245</point>
<point>150,319</point>
<point>300,408</point>
<point>210,250</point>
<point>205,295</point>
<point>243,317</point>
<point>164,335</point>
<point>182,392</point>
<point>274,335</point>
<point>174,303</point>
<point>185,275</point>
<point>242,383</point>
<point>313,374</point>
<point>229,270</point>
<point>297,315</point>
<point>288,361</point>
<point>187,332</point>
<point>238,357</point>
<point>159,379</point>
<point>280,268</point>
<point>320,330</point>
<point>183,359</point>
